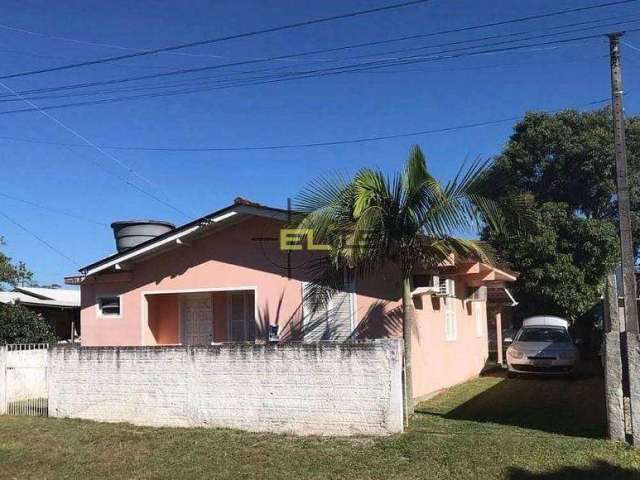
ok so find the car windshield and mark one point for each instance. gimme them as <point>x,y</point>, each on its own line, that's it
<point>543,334</point>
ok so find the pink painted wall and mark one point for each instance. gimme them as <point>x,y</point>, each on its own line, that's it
<point>230,259</point>
<point>437,362</point>
<point>164,326</point>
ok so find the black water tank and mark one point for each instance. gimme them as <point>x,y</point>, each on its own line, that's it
<point>129,233</point>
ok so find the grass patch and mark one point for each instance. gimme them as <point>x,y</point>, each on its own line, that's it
<point>489,428</point>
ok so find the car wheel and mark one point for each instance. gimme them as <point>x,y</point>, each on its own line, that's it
<point>511,374</point>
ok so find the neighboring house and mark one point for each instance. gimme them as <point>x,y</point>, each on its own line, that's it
<point>225,278</point>
<point>59,306</point>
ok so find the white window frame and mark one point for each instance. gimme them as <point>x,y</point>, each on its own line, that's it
<point>99,312</point>
<point>350,288</point>
<point>450,320</point>
<point>305,307</point>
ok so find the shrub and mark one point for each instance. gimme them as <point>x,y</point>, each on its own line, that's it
<point>18,324</point>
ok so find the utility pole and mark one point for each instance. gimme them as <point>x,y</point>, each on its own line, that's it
<point>630,337</point>
<point>624,208</point>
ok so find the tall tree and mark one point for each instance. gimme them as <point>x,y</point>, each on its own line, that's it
<point>410,220</point>
<point>566,160</point>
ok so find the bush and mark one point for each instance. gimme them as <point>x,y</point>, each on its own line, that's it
<point>18,324</point>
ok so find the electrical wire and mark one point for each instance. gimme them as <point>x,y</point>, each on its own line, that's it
<point>291,146</point>
<point>226,38</point>
<point>232,64</point>
<point>53,210</point>
<point>196,81</point>
<point>345,47</point>
<point>100,150</point>
<point>365,66</point>
<point>39,238</point>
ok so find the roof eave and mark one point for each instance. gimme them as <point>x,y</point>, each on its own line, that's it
<point>185,230</point>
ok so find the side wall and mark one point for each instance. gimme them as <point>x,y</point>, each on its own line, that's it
<point>3,380</point>
<point>328,389</point>
<point>440,363</point>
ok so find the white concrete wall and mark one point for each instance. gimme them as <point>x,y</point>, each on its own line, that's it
<point>26,374</point>
<point>326,388</point>
<point>3,382</point>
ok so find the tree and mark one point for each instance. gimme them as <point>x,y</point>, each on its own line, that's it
<point>566,160</point>
<point>23,276</point>
<point>561,259</point>
<point>409,221</point>
<point>11,274</point>
<point>18,324</point>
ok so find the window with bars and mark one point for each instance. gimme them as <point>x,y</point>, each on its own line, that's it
<point>109,306</point>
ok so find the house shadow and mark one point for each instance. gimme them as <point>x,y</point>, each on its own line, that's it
<point>554,405</point>
<point>599,470</point>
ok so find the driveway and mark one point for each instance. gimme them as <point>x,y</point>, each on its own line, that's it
<point>550,404</point>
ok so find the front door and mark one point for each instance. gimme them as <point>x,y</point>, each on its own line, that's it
<point>197,319</point>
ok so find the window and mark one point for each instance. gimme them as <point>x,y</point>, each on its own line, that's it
<point>451,326</point>
<point>109,306</point>
<point>478,312</point>
<point>242,324</point>
<point>333,320</point>
<point>543,334</point>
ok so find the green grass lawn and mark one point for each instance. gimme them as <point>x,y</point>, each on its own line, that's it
<point>489,428</point>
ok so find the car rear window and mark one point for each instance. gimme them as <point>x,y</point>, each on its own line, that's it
<point>543,334</point>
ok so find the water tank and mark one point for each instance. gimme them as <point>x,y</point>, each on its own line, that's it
<point>129,233</point>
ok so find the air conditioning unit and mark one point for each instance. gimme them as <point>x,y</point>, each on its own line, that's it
<point>447,287</point>
<point>477,294</point>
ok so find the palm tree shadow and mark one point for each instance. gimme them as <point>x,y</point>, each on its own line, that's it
<point>599,470</point>
<point>554,405</point>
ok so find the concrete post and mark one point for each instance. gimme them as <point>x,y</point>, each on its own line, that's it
<point>633,352</point>
<point>613,362</point>
<point>499,337</point>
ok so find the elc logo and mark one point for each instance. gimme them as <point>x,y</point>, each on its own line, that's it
<point>293,239</point>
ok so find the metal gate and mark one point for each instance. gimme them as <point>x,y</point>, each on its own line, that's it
<point>26,379</point>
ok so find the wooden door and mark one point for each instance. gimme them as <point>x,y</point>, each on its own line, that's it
<point>197,319</point>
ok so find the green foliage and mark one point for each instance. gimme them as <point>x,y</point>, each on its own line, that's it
<point>409,220</point>
<point>18,324</point>
<point>566,161</point>
<point>561,260</point>
<point>13,274</point>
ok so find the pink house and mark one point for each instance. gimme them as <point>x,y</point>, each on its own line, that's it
<point>225,278</point>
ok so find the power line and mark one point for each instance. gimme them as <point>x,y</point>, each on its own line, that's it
<point>93,145</point>
<point>40,239</point>
<point>358,67</point>
<point>194,81</point>
<point>225,38</point>
<point>345,47</point>
<point>54,210</point>
<point>310,52</point>
<point>292,146</point>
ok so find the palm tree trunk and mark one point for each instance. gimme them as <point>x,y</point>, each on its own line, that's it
<point>408,322</point>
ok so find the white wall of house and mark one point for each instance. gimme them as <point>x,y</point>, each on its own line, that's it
<point>321,388</point>
<point>3,383</point>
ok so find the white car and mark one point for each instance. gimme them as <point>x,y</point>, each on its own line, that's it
<point>542,346</point>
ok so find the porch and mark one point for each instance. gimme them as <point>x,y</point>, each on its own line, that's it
<point>199,317</point>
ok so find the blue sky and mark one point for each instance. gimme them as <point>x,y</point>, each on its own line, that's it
<point>394,100</point>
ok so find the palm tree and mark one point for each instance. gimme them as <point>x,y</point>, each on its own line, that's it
<point>408,220</point>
